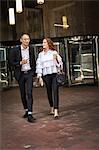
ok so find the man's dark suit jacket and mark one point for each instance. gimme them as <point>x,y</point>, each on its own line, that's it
<point>16,57</point>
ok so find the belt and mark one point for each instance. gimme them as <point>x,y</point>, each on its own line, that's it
<point>26,72</point>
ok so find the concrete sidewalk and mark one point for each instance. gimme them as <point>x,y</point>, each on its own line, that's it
<point>76,129</point>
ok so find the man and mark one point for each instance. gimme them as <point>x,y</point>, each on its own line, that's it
<point>23,59</point>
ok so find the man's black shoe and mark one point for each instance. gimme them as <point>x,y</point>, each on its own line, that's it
<point>31,119</point>
<point>25,115</point>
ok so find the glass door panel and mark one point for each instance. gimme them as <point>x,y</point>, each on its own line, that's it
<point>81,56</point>
<point>3,68</point>
<point>87,63</point>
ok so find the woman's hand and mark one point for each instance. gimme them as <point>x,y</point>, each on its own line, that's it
<point>55,57</point>
<point>41,81</point>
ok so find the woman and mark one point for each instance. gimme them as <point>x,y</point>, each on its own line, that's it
<point>47,66</point>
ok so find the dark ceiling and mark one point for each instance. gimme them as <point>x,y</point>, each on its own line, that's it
<point>5,4</point>
<point>26,3</point>
<point>30,3</point>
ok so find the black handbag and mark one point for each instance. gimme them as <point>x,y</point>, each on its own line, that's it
<point>61,79</point>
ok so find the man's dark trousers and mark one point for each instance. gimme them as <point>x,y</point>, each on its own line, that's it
<point>26,86</point>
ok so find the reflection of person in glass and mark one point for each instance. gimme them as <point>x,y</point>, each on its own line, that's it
<point>48,62</point>
<point>23,59</point>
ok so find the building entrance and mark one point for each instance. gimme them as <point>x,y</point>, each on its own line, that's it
<point>80,60</point>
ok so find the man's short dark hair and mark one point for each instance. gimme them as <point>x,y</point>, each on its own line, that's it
<point>23,34</point>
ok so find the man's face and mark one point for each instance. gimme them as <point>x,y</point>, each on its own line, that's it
<point>25,39</point>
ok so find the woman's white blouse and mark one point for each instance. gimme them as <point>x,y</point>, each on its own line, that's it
<point>45,63</point>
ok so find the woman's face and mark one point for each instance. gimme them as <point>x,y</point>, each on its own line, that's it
<point>45,44</point>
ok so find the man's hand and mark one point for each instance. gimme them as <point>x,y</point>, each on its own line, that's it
<point>24,61</point>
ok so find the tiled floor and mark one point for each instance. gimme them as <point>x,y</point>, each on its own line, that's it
<point>76,129</point>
